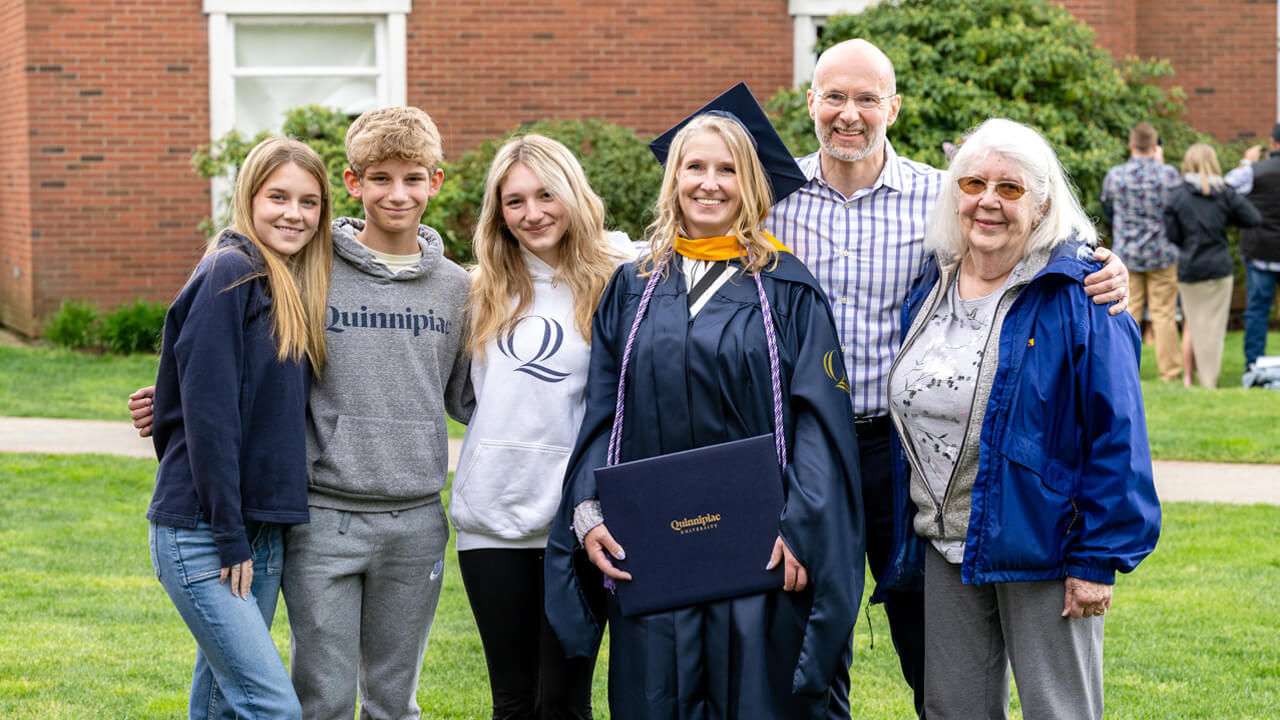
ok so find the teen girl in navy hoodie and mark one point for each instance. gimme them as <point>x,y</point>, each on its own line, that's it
<point>240,342</point>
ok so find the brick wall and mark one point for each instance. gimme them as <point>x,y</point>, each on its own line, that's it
<point>15,190</point>
<point>118,96</point>
<point>1223,53</point>
<point>1113,20</point>
<point>1224,57</point>
<point>481,69</point>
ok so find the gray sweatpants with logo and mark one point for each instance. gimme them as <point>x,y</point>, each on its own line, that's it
<point>361,591</point>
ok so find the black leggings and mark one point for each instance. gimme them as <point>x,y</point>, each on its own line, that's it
<point>529,675</point>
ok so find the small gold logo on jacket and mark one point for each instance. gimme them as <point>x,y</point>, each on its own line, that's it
<point>698,523</point>
<point>830,362</point>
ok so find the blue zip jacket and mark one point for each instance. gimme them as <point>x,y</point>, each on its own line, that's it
<point>1064,484</point>
<point>230,419</point>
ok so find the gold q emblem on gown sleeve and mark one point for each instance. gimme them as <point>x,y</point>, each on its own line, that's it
<point>830,362</point>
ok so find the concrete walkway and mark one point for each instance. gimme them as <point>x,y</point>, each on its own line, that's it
<point>62,437</point>
<point>1175,481</point>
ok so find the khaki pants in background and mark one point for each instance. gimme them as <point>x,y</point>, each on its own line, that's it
<point>1158,290</point>
<point>1206,305</point>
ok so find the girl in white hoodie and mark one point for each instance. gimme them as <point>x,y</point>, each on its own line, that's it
<point>543,259</point>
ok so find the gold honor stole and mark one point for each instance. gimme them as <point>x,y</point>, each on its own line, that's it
<point>722,247</point>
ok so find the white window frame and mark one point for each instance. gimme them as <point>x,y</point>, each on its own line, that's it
<point>388,17</point>
<point>390,40</point>
<point>807,16</point>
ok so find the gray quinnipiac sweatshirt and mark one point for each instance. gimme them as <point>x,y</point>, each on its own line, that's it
<point>376,433</point>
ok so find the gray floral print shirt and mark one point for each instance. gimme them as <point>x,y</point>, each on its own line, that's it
<point>932,388</point>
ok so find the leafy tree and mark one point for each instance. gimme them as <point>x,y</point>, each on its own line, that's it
<point>959,62</point>
<point>617,162</point>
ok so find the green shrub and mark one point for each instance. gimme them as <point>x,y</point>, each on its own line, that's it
<point>222,158</point>
<point>324,129</point>
<point>134,328</point>
<point>959,62</point>
<point>75,325</point>
<point>617,162</point>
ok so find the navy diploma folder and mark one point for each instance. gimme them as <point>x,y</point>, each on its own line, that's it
<point>696,525</point>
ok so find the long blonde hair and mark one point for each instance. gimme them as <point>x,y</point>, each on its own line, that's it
<point>753,187</point>
<point>299,285</point>
<point>500,274</point>
<point>1203,161</point>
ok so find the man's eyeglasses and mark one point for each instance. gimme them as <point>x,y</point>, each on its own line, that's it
<point>864,101</point>
<point>977,186</point>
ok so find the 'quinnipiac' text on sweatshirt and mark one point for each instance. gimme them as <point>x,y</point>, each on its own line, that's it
<point>377,439</point>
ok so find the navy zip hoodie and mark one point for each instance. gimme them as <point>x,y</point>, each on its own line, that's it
<point>230,419</point>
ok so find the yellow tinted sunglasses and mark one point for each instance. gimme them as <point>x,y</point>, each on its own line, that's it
<point>1006,189</point>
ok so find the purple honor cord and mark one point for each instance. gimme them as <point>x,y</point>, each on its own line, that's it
<point>615,436</point>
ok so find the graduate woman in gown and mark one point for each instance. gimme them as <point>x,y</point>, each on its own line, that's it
<point>699,373</point>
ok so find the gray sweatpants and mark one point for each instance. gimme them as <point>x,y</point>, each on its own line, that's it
<point>974,632</point>
<point>361,590</point>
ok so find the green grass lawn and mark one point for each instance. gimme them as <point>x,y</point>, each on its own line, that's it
<point>54,383</point>
<point>1229,424</point>
<point>87,632</point>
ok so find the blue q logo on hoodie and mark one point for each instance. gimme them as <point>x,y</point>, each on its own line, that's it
<point>547,347</point>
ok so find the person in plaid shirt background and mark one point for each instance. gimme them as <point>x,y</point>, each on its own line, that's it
<point>1133,198</point>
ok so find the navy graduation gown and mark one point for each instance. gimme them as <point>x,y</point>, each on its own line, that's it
<point>701,381</point>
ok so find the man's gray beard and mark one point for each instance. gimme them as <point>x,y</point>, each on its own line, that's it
<point>874,145</point>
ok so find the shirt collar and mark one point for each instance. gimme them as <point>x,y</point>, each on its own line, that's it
<point>890,174</point>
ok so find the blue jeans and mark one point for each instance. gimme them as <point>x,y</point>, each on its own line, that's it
<point>1257,312</point>
<point>238,672</point>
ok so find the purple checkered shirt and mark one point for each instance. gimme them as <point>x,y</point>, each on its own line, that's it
<point>865,251</point>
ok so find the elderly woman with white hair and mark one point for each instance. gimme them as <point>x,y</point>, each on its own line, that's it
<point>1019,411</point>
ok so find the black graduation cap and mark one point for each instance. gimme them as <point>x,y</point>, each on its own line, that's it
<point>785,177</point>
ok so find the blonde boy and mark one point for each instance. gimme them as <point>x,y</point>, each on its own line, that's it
<point>362,580</point>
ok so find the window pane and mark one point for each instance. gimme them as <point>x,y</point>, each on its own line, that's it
<point>303,45</point>
<point>261,102</point>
